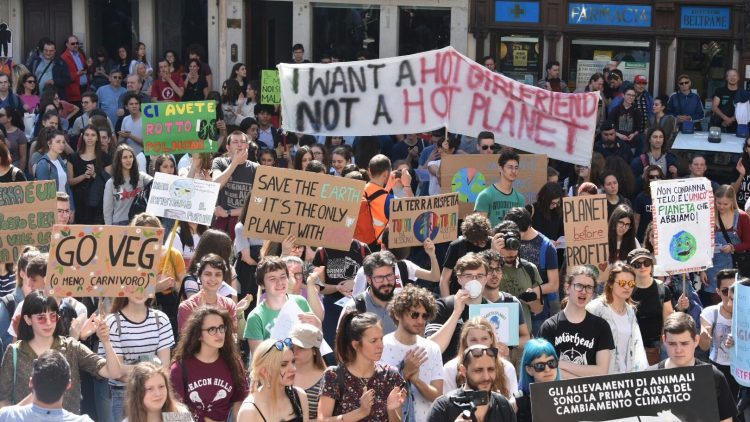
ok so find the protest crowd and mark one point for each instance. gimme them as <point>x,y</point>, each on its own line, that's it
<point>247,322</point>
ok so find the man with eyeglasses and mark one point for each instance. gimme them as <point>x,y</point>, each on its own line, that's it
<point>583,341</point>
<point>64,213</point>
<point>50,70</point>
<point>379,269</point>
<point>76,62</point>
<point>495,200</point>
<point>89,103</point>
<point>109,95</point>
<point>417,358</point>
<point>685,104</point>
<point>478,366</point>
<point>628,121</point>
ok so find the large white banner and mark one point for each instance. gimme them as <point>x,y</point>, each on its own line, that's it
<point>182,198</point>
<point>683,216</point>
<point>427,91</point>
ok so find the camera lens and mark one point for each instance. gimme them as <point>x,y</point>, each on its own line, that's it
<point>512,242</point>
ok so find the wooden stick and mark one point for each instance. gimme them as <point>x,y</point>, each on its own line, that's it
<point>169,246</point>
<point>684,284</point>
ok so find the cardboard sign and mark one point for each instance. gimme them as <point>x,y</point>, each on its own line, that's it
<point>414,220</point>
<point>179,127</point>
<point>740,353</point>
<point>440,88</point>
<point>320,210</point>
<point>470,174</point>
<point>177,417</point>
<point>27,214</point>
<point>683,216</point>
<point>503,317</point>
<point>270,87</point>
<point>108,261</point>
<point>586,231</point>
<point>182,198</point>
<point>679,394</point>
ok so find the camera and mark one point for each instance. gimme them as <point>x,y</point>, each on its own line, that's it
<point>470,400</point>
<point>397,174</point>
<point>512,242</point>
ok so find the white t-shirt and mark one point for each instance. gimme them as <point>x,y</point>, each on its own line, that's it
<point>187,251</point>
<point>623,327</point>
<point>62,176</point>
<point>450,369</point>
<point>393,354</point>
<point>719,352</point>
<point>360,281</point>
<point>135,128</point>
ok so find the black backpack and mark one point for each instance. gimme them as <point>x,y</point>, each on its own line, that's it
<point>141,201</point>
<point>9,301</point>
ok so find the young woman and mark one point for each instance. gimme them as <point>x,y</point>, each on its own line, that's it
<point>642,203</point>
<point>660,119</point>
<point>617,308</point>
<point>302,158</point>
<point>340,157</point>
<point>368,390</point>
<point>196,165</point>
<point>626,179</point>
<point>8,172</point>
<point>196,87</point>
<point>139,57</point>
<point>40,329</point>
<point>657,155</point>
<point>165,164</point>
<point>175,67</point>
<point>207,350</point>
<point>12,120</point>
<point>307,340</point>
<point>232,99</point>
<point>538,364</point>
<point>186,239</point>
<point>621,234</point>
<point>611,186</point>
<point>216,242</point>
<point>267,157</point>
<point>252,89</point>
<point>149,394</point>
<point>546,212</point>
<point>85,176</point>
<point>65,109</point>
<point>320,153</point>
<point>248,256</point>
<point>28,91</point>
<point>654,301</point>
<point>333,142</point>
<point>126,182</point>
<point>122,62</point>
<point>273,394</point>
<point>211,271</point>
<point>239,74</point>
<point>447,147</point>
<point>480,331</point>
<point>140,333</point>
<point>52,166</point>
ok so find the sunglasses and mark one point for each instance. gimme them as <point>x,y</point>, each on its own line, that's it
<point>478,352</point>
<point>213,330</point>
<point>725,291</point>
<point>638,264</point>
<point>416,315</point>
<point>486,147</point>
<point>685,83</point>
<point>624,283</point>
<point>542,366</point>
<point>280,345</point>
<point>117,77</point>
<point>46,318</point>
<point>654,177</point>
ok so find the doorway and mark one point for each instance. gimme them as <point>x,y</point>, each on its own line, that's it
<point>46,18</point>
<point>704,61</point>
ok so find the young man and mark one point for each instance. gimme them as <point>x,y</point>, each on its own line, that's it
<point>478,367</point>
<point>608,144</point>
<point>628,121</point>
<point>680,338</point>
<point>685,104</point>
<point>489,63</point>
<point>7,96</point>
<point>379,270</point>
<point>298,54</point>
<point>486,142</point>
<point>495,200</point>
<point>723,103</point>
<point>64,214</point>
<point>583,341</point>
<point>408,149</point>
<point>418,358</point>
<point>50,379</point>
<point>267,134</point>
<point>476,237</point>
<point>167,86</point>
<point>553,82</point>
<point>89,103</point>
<point>376,199</point>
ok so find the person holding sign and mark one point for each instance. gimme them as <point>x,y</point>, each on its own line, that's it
<point>150,394</point>
<point>618,309</point>
<point>495,200</point>
<point>582,340</point>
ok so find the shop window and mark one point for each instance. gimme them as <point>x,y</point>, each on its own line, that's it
<point>345,31</point>
<point>421,29</point>
<point>589,56</point>
<point>705,62</point>
<point>518,58</point>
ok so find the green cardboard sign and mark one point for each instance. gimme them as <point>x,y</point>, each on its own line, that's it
<point>270,87</point>
<point>179,127</point>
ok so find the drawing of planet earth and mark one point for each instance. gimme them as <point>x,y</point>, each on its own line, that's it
<point>427,225</point>
<point>683,246</point>
<point>468,182</point>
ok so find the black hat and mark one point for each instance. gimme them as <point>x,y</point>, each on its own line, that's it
<point>606,125</point>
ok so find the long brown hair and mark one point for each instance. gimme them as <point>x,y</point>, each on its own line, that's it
<point>136,390</point>
<point>480,323</point>
<point>617,268</point>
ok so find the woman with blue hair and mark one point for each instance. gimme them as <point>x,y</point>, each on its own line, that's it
<point>539,364</point>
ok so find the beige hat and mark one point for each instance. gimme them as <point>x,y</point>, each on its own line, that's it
<point>306,336</point>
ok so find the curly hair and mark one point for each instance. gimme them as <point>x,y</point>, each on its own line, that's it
<point>411,297</point>
<point>476,228</point>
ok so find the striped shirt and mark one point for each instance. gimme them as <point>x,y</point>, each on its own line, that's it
<point>313,395</point>
<point>7,283</point>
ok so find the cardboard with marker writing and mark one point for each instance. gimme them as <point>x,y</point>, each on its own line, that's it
<point>270,87</point>
<point>27,214</point>
<point>183,198</point>
<point>470,174</point>
<point>104,261</point>
<point>318,209</point>
<point>586,231</point>
<point>414,220</point>
<point>179,127</point>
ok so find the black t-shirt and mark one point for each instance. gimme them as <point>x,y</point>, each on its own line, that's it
<point>443,312</point>
<point>577,343</point>
<point>8,176</point>
<point>444,411</point>
<point>341,265</point>
<point>239,185</point>
<point>551,226</point>
<point>726,103</point>
<point>457,249</point>
<point>724,399</point>
<point>649,311</point>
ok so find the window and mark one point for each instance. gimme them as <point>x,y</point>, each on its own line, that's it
<point>589,56</point>
<point>704,61</point>
<point>422,29</point>
<point>345,31</point>
<point>518,58</point>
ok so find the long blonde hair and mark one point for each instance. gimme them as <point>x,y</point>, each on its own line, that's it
<point>481,323</point>
<point>265,357</point>
<point>136,390</point>
<point>726,192</point>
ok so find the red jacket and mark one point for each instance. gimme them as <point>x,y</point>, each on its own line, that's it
<point>73,90</point>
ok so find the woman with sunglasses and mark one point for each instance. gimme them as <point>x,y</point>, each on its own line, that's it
<point>273,394</point>
<point>206,372</point>
<point>539,363</point>
<point>654,301</point>
<point>617,308</point>
<point>360,388</point>
<point>28,91</point>
<point>40,329</point>
<point>642,203</point>
<point>621,234</point>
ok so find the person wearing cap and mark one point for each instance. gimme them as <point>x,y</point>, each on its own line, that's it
<point>685,104</point>
<point>616,83</point>
<point>654,301</point>
<point>724,101</point>
<point>307,340</point>
<point>608,144</point>
<point>643,102</point>
<point>583,340</point>
<point>478,367</point>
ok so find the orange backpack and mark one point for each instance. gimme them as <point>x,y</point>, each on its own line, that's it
<point>366,232</point>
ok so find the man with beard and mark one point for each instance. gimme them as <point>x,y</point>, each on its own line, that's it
<point>380,273</point>
<point>478,366</point>
<point>417,358</point>
<point>608,144</point>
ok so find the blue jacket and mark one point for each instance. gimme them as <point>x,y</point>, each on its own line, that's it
<point>689,105</point>
<point>45,170</point>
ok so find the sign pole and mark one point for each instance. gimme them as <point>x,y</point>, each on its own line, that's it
<point>169,245</point>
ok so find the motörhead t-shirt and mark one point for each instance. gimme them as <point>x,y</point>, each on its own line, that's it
<point>577,343</point>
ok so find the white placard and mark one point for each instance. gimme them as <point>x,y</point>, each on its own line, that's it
<point>286,320</point>
<point>182,198</point>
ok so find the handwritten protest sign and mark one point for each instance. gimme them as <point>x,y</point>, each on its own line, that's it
<point>503,317</point>
<point>586,231</point>
<point>683,216</point>
<point>109,261</point>
<point>468,175</point>
<point>177,417</point>
<point>431,90</point>
<point>179,127</point>
<point>184,199</point>
<point>320,210</point>
<point>679,394</point>
<point>414,220</point>
<point>270,87</point>
<point>27,213</point>
<point>740,353</point>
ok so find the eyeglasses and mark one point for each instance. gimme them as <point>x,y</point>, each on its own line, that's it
<point>496,270</point>
<point>117,77</point>
<point>726,290</point>
<point>542,366</point>
<point>280,345</point>
<point>646,263</point>
<point>654,177</point>
<point>416,315</point>
<point>73,43</point>
<point>626,283</point>
<point>555,203</point>
<point>583,287</point>
<point>486,147</point>
<point>479,351</point>
<point>685,83</point>
<point>623,225</point>
<point>298,276</point>
<point>50,318</point>
<point>221,329</point>
<point>478,277</point>
<point>382,278</point>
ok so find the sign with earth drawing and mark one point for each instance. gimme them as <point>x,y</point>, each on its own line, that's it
<point>414,220</point>
<point>683,215</point>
